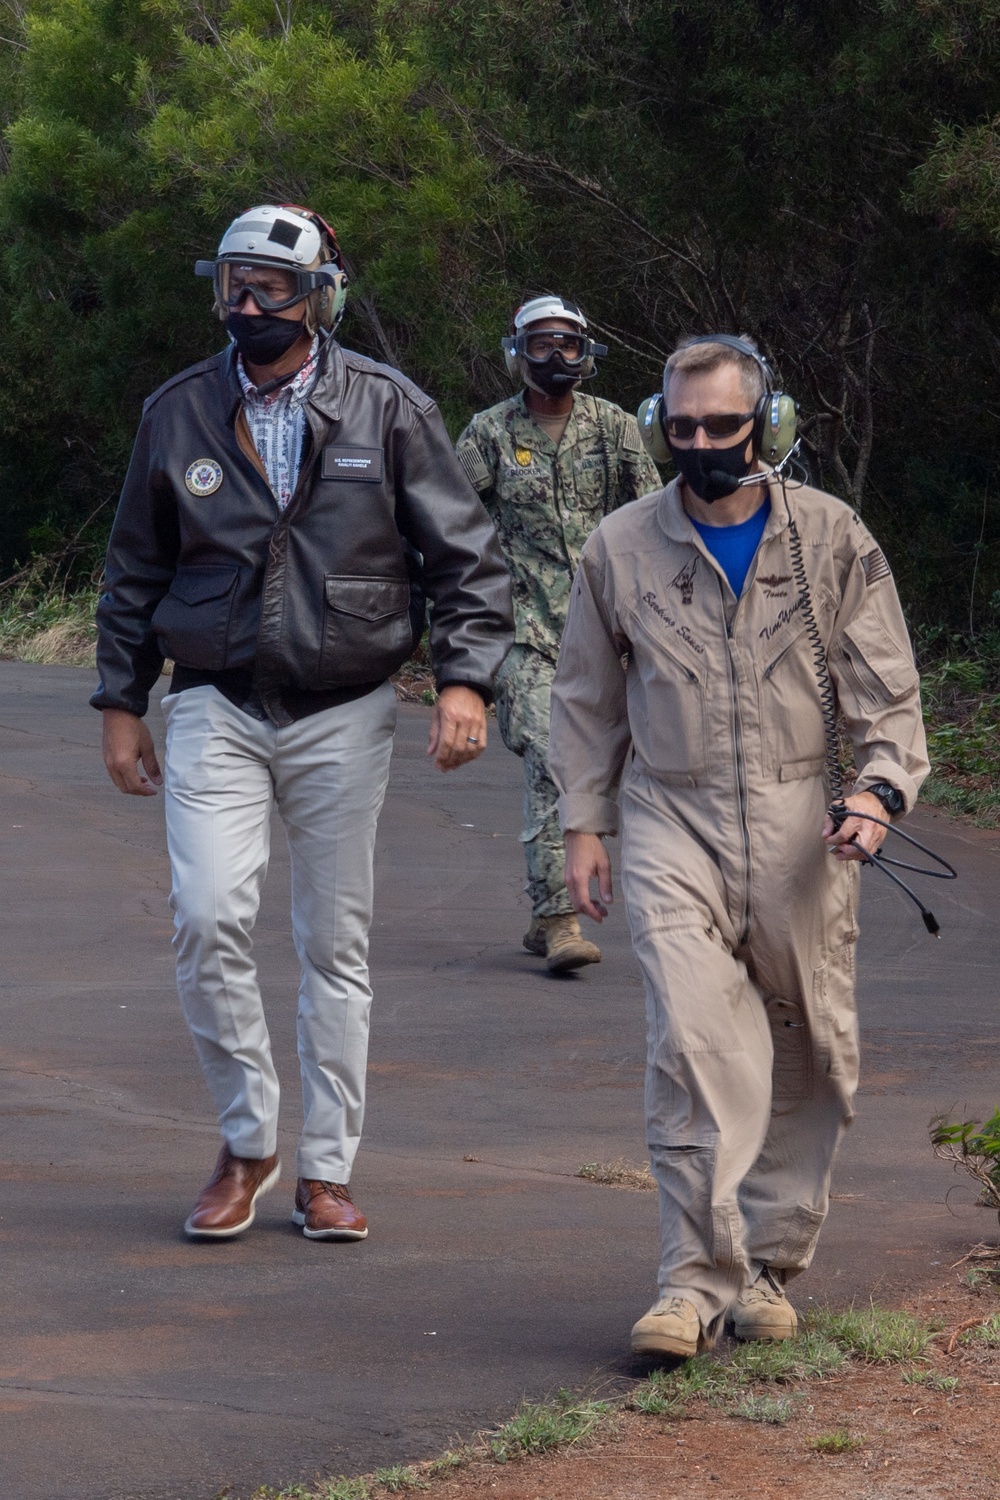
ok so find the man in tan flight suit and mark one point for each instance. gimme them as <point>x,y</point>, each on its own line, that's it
<point>740,898</point>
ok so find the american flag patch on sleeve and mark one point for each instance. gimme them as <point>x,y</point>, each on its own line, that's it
<point>875,566</point>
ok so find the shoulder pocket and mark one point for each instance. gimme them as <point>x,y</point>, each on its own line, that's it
<point>883,668</point>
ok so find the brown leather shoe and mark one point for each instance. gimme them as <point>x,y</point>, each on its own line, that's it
<point>327,1211</point>
<point>225,1205</point>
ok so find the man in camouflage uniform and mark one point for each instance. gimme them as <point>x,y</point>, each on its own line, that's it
<point>548,463</point>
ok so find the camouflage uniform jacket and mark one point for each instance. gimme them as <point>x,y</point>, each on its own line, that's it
<point>545,501</point>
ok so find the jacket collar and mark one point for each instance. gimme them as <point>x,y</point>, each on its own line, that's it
<point>327,394</point>
<point>676,523</point>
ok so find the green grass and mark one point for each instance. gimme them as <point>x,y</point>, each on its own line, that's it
<point>342,1489</point>
<point>840,1441</point>
<point>874,1334</point>
<point>962,715</point>
<point>398,1478</point>
<point>724,1381</point>
<point>987,1333</point>
<point>446,1462</point>
<point>539,1426</point>
<point>931,1380</point>
<point>812,1354</point>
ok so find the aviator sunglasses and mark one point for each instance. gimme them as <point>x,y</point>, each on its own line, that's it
<point>719,425</point>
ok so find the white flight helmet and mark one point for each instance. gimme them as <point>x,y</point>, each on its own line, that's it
<point>290,238</point>
<point>531,317</point>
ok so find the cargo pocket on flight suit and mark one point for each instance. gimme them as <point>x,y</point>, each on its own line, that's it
<point>795,1251</point>
<point>833,993</point>
<point>727,1243</point>
<point>791,1073</point>
<point>882,672</point>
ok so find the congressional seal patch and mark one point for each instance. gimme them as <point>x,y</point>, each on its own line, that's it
<point>203,476</point>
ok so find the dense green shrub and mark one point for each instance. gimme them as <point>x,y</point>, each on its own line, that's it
<point>822,173</point>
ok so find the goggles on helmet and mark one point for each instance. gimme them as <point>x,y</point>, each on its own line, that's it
<point>274,285</point>
<point>538,345</point>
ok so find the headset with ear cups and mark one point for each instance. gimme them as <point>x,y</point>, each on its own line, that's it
<point>775,415</point>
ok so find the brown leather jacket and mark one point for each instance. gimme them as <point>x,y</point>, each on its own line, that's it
<point>315,598</point>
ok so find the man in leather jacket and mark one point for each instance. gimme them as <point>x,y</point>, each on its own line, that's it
<point>286,505</point>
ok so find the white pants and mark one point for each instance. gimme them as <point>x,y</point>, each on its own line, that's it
<point>327,774</point>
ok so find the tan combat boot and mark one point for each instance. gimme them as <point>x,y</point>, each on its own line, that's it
<point>561,943</point>
<point>762,1310</point>
<point>671,1326</point>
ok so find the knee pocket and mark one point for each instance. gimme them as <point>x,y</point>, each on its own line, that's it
<point>792,1069</point>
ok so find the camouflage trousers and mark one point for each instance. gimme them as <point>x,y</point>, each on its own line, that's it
<point>523,689</point>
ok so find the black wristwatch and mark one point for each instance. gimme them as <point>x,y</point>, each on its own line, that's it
<point>891,799</point>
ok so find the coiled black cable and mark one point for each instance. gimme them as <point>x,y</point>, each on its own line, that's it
<point>838,810</point>
<point>828,699</point>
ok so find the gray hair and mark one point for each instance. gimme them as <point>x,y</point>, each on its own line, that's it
<point>694,358</point>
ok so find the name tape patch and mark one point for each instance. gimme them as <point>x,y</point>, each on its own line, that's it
<point>342,462</point>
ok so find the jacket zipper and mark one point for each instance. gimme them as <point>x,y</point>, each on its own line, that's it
<point>741,780</point>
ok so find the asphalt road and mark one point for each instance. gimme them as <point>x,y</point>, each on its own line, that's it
<point>135,1364</point>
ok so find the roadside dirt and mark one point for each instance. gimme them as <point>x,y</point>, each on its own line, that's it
<point>911,1439</point>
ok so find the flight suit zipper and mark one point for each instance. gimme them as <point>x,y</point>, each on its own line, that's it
<point>741,777</point>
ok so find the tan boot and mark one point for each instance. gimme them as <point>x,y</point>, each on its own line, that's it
<point>671,1326</point>
<point>561,943</point>
<point>534,938</point>
<point>762,1311</point>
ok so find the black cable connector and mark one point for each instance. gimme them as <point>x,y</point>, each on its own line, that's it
<point>828,706</point>
<point>839,813</point>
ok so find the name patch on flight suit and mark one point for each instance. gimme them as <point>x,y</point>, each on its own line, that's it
<point>342,462</point>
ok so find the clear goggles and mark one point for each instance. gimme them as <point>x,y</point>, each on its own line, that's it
<point>537,345</point>
<point>273,286</point>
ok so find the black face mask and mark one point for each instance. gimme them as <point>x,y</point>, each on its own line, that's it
<point>263,338</point>
<point>712,473</point>
<point>553,377</point>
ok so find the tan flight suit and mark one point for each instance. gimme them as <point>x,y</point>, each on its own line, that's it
<point>708,710</point>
